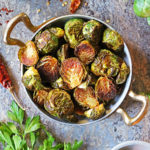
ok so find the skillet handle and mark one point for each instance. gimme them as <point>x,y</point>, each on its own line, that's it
<point>22,17</point>
<point>132,121</point>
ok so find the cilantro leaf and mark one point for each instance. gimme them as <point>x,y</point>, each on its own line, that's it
<point>17,142</point>
<point>32,139</point>
<point>77,145</point>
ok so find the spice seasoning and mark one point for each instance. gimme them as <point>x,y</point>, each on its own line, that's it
<point>74,5</point>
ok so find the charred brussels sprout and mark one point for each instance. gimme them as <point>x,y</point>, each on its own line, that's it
<point>86,97</point>
<point>28,55</point>
<point>31,79</point>
<point>59,32</point>
<point>106,63</point>
<point>72,72</point>
<point>85,52</point>
<point>122,76</point>
<point>59,103</point>
<point>92,31</point>
<point>73,32</point>
<point>96,112</point>
<point>40,96</point>
<point>105,89</point>
<point>48,68</point>
<point>113,40</point>
<point>62,53</point>
<point>46,42</point>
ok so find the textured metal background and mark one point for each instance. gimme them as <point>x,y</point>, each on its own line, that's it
<point>105,134</point>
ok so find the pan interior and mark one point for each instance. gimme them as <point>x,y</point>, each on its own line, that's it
<point>59,22</point>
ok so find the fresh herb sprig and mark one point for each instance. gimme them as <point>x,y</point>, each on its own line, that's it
<point>23,134</point>
<point>142,9</point>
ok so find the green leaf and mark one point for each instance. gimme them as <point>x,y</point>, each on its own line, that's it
<point>16,114</point>
<point>5,127</point>
<point>17,142</point>
<point>77,145</point>
<point>32,139</point>
<point>32,125</point>
<point>148,20</point>
<point>142,8</point>
<point>12,127</point>
<point>7,148</point>
<point>67,146</point>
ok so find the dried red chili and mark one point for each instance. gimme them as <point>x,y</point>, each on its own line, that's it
<point>4,77</point>
<point>74,5</point>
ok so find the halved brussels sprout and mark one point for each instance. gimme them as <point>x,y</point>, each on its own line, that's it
<point>40,96</point>
<point>85,84</point>
<point>86,97</point>
<point>72,72</point>
<point>46,42</point>
<point>28,55</point>
<point>59,83</point>
<point>59,103</point>
<point>106,63</point>
<point>59,32</point>
<point>62,53</point>
<point>122,76</point>
<point>113,40</point>
<point>85,52</point>
<point>96,112</point>
<point>73,32</point>
<point>105,89</point>
<point>48,68</point>
<point>31,79</point>
<point>92,31</point>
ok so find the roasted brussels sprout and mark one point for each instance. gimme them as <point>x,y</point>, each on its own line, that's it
<point>85,52</point>
<point>72,72</point>
<point>62,53</point>
<point>105,89</point>
<point>92,31</point>
<point>48,68</point>
<point>31,79</point>
<point>113,40</point>
<point>106,63</point>
<point>40,96</point>
<point>86,97</point>
<point>59,103</point>
<point>85,84</point>
<point>46,42</point>
<point>122,76</point>
<point>73,32</point>
<point>28,55</point>
<point>59,32</point>
<point>96,112</point>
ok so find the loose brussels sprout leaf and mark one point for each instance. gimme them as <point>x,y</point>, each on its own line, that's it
<point>72,72</point>
<point>105,89</point>
<point>31,79</point>
<point>70,118</point>
<point>59,103</point>
<point>62,53</point>
<point>57,31</point>
<point>85,52</point>
<point>113,40</point>
<point>92,31</point>
<point>85,84</point>
<point>142,8</point>
<point>106,63</point>
<point>40,96</point>
<point>48,68</point>
<point>122,76</point>
<point>86,97</point>
<point>96,112</point>
<point>59,83</point>
<point>28,55</point>
<point>73,32</point>
<point>46,42</point>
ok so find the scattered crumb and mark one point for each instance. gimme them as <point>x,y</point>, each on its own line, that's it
<point>85,4</point>
<point>64,3</point>
<point>107,20</point>
<point>38,10</point>
<point>48,3</point>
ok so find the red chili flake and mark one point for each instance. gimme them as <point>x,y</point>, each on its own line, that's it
<point>0,24</point>
<point>6,13</point>
<point>6,21</point>
<point>61,0</point>
<point>74,5</point>
<point>3,9</point>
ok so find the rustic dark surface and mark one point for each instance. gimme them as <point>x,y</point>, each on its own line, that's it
<point>105,134</point>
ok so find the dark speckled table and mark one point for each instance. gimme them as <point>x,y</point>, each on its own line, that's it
<point>105,134</point>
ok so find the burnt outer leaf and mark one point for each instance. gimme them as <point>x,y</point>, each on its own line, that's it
<point>72,72</point>
<point>48,68</point>
<point>105,89</point>
<point>85,52</point>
